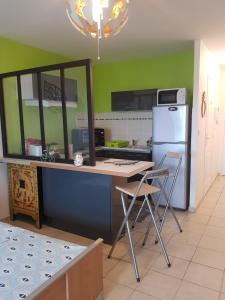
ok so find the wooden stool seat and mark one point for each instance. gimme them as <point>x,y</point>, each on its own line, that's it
<point>131,188</point>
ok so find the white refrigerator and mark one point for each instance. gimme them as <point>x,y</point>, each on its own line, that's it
<point>171,134</point>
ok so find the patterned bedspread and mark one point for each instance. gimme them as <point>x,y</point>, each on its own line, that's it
<point>28,259</point>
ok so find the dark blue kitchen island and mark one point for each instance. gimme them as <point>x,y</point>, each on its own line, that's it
<point>83,200</point>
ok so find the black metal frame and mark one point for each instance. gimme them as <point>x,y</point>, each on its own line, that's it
<point>61,67</point>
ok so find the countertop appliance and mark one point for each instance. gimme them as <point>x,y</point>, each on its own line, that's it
<point>172,96</point>
<point>80,138</point>
<point>171,134</point>
<point>99,137</point>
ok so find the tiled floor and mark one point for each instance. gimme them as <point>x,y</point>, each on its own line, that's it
<point>197,256</point>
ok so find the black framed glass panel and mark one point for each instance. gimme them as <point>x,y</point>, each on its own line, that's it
<point>52,109</point>
<point>48,110</point>
<point>75,88</point>
<point>12,116</point>
<point>31,115</point>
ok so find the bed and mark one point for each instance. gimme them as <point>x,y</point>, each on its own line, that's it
<point>35,266</point>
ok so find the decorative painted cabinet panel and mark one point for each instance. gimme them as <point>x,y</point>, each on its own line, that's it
<point>23,191</point>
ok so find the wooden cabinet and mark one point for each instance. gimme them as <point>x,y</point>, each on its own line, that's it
<point>23,191</point>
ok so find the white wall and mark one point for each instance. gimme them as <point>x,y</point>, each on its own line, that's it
<point>126,125</point>
<point>4,203</point>
<point>205,141</point>
<point>222,122</point>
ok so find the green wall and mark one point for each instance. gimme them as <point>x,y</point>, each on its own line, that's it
<point>162,71</point>
<point>16,56</point>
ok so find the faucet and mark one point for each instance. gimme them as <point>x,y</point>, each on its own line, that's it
<point>134,142</point>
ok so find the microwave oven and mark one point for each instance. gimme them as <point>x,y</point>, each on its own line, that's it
<point>174,96</point>
<point>80,138</point>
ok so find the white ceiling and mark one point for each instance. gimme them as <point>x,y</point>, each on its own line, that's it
<point>153,26</point>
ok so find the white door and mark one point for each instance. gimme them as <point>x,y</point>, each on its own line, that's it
<point>208,140</point>
<point>222,124</point>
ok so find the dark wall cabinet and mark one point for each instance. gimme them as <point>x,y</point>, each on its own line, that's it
<point>134,100</point>
<point>120,154</point>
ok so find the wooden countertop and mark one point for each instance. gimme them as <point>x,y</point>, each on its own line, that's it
<point>100,168</point>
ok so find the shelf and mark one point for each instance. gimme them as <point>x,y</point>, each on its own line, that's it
<point>49,103</point>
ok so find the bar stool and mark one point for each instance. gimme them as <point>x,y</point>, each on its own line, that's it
<point>136,189</point>
<point>166,186</point>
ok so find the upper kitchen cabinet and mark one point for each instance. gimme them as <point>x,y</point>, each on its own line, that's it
<point>48,110</point>
<point>134,100</point>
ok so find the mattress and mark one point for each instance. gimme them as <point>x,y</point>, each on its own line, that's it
<point>28,259</point>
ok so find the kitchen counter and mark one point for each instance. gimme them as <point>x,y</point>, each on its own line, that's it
<point>16,161</point>
<point>83,200</point>
<point>102,167</point>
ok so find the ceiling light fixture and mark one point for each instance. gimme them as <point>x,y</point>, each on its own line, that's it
<point>98,18</point>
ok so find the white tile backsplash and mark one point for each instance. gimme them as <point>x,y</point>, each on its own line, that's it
<point>125,125</point>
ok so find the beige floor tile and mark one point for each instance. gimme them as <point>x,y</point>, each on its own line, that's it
<point>205,211</point>
<point>204,276</point>
<point>190,291</point>
<point>140,296</point>
<point>114,291</point>
<point>120,250</point>
<point>179,250</point>
<point>209,258</point>
<point>177,269</point>
<point>218,214</point>
<point>215,232</point>
<point>209,203</point>
<point>159,285</point>
<point>150,244</point>
<point>193,227</point>
<point>197,218</point>
<point>123,273</point>
<point>223,285</point>
<point>109,264</point>
<point>187,237</point>
<point>220,207</point>
<point>141,226</point>
<point>222,296</point>
<point>145,258</point>
<point>212,243</point>
<point>217,221</point>
<point>221,201</point>
<point>136,235</point>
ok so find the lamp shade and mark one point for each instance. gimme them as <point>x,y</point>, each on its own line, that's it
<point>98,18</point>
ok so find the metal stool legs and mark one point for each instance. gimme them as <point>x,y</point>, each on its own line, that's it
<point>126,222</point>
<point>157,233</point>
<point>168,206</point>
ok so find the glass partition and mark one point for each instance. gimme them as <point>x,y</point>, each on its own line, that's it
<point>76,110</point>
<point>12,117</point>
<point>52,108</point>
<point>31,116</point>
<point>47,112</point>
